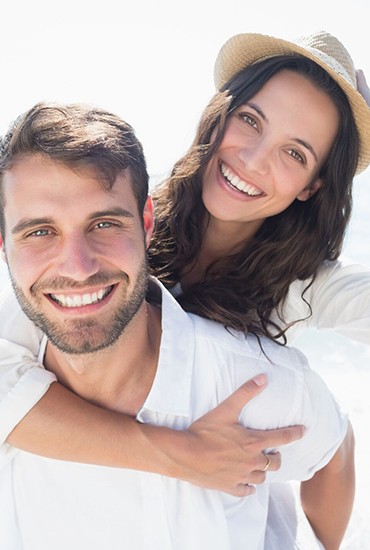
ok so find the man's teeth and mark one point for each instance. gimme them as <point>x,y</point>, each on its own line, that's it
<point>239,184</point>
<point>80,300</point>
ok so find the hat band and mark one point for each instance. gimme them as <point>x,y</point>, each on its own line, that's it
<point>332,64</point>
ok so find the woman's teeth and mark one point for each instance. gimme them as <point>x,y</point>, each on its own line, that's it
<point>239,184</point>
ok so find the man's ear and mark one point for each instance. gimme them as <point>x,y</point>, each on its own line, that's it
<point>2,248</point>
<point>148,220</point>
<point>310,190</point>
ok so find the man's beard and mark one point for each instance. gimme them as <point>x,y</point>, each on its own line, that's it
<point>82,336</point>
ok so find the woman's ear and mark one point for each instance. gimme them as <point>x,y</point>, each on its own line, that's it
<point>310,190</point>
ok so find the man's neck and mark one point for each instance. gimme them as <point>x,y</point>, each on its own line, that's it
<point>118,377</point>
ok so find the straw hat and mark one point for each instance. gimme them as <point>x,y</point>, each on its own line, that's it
<point>327,51</point>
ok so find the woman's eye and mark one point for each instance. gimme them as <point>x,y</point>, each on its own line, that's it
<point>297,156</point>
<point>249,120</point>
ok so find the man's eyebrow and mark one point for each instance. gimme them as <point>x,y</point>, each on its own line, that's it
<point>117,211</point>
<point>30,223</point>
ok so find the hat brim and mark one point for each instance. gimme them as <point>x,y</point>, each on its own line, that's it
<point>243,50</point>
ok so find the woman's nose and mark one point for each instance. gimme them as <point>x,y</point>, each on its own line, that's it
<point>256,158</point>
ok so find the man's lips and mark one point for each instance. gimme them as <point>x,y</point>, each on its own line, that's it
<point>240,185</point>
<point>73,300</point>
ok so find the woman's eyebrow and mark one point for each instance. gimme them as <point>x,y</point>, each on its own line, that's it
<point>257,109</point>
<point>307,146</point>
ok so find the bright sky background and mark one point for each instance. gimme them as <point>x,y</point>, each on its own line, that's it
<point>150,61</point>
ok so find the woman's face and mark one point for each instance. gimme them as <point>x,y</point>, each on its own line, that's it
<point>271,152</point>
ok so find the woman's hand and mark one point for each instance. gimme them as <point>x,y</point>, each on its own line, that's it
<point>362,86</point>
<point>221,454</point>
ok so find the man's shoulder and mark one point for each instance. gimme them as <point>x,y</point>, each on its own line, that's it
<point>226,346</point>
<point>213,335</point>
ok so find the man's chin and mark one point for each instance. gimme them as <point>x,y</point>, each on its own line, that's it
<point>82,341</point>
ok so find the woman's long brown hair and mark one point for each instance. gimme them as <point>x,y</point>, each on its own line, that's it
<point>243,289</point>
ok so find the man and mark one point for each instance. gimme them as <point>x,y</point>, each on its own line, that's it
<point>75,224</point>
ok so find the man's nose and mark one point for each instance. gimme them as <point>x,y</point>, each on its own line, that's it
<point>77,259</point>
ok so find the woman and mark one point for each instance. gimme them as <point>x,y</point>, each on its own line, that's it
<point>254,254</point>
<point>284,249</point>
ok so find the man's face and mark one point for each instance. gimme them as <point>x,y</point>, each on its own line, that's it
<point>76,252</point>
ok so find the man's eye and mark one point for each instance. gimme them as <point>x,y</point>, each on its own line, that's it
<point>39,233</point>
<point>103,225</point>
<point>106,225</point>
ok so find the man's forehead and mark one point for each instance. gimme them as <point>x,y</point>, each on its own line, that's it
<point>27,166</point>
<point>35,182</point>
<point>84,166</point>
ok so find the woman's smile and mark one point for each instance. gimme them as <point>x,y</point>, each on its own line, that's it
<point>237,183</point>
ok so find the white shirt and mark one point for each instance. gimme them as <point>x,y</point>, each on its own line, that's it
<point>340,299</point>
<point>48,504</point>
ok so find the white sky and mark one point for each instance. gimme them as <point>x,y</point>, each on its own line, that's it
<point>149,61</point>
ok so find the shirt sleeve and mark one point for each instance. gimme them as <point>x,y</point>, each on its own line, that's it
<point>339,298</point>
<point>326,426</point>
<point>23,381</point>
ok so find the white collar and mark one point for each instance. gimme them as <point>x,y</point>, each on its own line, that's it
<point>171,388</point>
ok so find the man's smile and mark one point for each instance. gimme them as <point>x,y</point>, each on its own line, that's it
<point>72,300</point>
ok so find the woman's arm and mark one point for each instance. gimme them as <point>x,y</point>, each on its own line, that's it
<point>215,451</point>
<point>327,498</point>
<point>45,418</point>
<point>339,298</point>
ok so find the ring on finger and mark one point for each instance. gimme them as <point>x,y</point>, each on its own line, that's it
<point>267,464</point>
